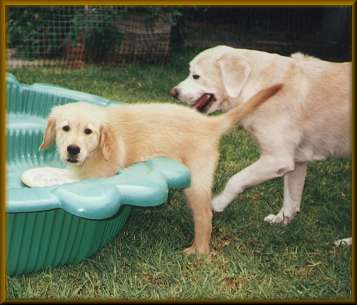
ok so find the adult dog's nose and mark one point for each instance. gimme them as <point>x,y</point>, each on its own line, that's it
<point>174,92</point>
<point>73,149</point>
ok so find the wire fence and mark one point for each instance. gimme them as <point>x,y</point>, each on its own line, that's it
<point>70,37</point>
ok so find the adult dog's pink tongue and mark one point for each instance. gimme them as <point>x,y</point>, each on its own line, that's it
<point>202,101</point>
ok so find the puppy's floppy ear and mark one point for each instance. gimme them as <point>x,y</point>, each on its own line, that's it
<point>235,72</point>
<point>50,133</point>
<point>107,142</point>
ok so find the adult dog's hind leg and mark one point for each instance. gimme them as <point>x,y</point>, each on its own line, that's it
<point>293,189</point>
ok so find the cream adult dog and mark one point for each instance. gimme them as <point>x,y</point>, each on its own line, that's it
<point>310,119</point>
<point>97,141</point>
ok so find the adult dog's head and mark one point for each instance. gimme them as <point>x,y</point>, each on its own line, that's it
<point>216,76</point>
<point>78,130</point>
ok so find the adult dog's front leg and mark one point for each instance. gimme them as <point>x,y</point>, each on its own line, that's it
<point>266,168</point>
<point>293,188</point>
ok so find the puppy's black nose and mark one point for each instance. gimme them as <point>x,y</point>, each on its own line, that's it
<point>73,149</point>
<point>174,92</point>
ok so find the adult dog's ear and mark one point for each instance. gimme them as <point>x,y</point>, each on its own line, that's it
<point>235,72</point>
<point>50,133</point>
<point>107,142</point>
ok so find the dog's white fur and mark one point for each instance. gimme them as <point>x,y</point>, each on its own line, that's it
<point>130,133</point>
<point>309,120</point>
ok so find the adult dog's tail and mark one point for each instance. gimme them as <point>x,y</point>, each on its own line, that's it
<point>232,117</point>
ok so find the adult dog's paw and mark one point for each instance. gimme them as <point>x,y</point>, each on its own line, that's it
<point>345,242</point>
<point>284,217</point>
<point>220,202</point>
<point>280,218</point>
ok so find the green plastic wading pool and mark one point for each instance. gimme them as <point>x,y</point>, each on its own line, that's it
<point>53,226</point>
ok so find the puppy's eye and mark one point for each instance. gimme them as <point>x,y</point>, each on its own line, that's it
<point>195,76</point>
<point>88,131</point>
<point>65,128</point>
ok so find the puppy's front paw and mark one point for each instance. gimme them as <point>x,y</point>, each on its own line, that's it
<point>220,202</point>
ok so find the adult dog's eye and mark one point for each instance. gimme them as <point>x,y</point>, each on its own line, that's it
<point>88,131</point>
<point>65,128</point>
<point>195,76</point>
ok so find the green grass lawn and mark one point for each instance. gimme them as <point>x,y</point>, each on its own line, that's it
<point>250,259</point>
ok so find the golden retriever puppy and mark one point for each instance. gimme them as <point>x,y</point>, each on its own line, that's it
<point>97,141</point>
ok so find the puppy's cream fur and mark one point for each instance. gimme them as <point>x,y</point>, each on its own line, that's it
<point>131,133</point>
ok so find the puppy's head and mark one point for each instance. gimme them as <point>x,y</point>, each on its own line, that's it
<point>216,76</point>
<point>78,130</point>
